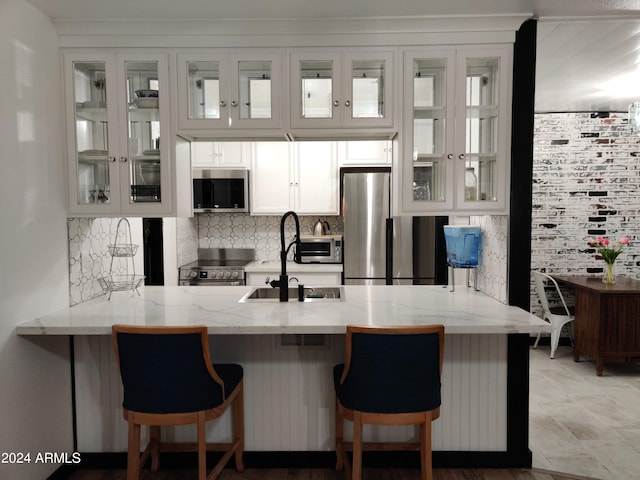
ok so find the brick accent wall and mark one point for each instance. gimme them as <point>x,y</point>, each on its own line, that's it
<point>586,179</point>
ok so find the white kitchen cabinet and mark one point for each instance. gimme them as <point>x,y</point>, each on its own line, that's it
<point>117,141</point>
<point>299,176</point>
<point>341,88</point>
<point>364,152</point>
<point>309,279</point>
<point>457,130</point>
<point>220,154</point>
<point>228,89</point>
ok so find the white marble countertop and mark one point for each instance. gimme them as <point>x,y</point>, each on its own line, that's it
<point>266,266</point>
<point>462,312</point>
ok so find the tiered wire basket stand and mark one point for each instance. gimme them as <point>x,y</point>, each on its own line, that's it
<point>122,280</point>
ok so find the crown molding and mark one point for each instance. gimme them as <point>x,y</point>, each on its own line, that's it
<point>281,32</point>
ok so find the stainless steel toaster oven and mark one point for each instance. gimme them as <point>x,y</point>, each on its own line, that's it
<point>320,249</point>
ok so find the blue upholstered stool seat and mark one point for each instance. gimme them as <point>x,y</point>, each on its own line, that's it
<point>391,376</point>
<point>169,379</point>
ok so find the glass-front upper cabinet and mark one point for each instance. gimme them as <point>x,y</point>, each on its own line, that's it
<point>115,126</point>
<point>457,138</point>
<point>227,90</point>
<point>94,165</point>
<point>338,90</point>
<point>431,126</point>
<point>483,175</point>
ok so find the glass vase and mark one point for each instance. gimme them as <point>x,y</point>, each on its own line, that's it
<point>608,277</point>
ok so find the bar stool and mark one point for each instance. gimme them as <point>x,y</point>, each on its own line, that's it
<point>391,376</point>
<point>168,379</point>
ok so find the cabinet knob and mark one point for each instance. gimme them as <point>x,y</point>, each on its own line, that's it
<point>347,103</point>
<point>234,103</point>
<point>336,103</point>
<point>223,103</point>
<point>111,159</point>
<point>461,156</point>
<point>450,156</point>
<point>123,159</point>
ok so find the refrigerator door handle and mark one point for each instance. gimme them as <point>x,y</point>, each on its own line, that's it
<point>389,251</point>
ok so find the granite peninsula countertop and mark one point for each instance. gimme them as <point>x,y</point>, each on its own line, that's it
<point>462,312</point>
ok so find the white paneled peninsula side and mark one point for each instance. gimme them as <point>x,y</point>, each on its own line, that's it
<point>289,398</point>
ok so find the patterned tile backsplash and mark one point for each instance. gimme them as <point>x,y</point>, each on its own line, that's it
<point>89,258</point>
<point>89,238</point>
<point>261,233</point>
<point>492,266</point>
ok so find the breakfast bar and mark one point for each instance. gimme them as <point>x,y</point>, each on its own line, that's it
<point>288,351</point>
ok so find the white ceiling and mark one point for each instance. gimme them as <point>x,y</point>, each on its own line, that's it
<point>590,65</point>
<point>582,44</point>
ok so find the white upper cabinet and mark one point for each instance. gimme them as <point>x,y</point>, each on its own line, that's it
<point>300,176</point>
<point>456,130</point>
<point>348,89</point>
<point>364,152</point>
<point>227,90</point>
<point>118,132</point>
<point>220,154</point>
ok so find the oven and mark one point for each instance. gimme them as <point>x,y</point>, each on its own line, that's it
<point>216,267</point>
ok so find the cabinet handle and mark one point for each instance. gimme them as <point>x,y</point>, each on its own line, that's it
<point>347,103</point>
<point>336,103</point>
<point>234,103</point>
<point>461,156</point>
<point>123,159</point>
<point>450,156</point>
<point>223,103</point>
<point>112,159</point>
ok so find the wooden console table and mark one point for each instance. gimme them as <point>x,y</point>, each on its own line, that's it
<point>607,324</point>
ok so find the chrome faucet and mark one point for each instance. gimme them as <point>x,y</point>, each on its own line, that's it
<point>283,283</point>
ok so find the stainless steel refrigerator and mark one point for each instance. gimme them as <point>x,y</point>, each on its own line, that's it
<point>383,250</point>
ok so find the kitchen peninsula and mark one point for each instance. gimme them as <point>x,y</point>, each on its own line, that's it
<point>288,351</point>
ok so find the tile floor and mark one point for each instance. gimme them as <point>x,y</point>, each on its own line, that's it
<point>581,423</point>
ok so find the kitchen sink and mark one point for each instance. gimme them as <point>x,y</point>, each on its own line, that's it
<point>311,294</point>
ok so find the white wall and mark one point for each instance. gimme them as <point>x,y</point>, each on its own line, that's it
<point>35,393</point>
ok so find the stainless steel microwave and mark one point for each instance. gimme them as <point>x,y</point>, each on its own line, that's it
<point>220,190</point>
<point>320,249</point>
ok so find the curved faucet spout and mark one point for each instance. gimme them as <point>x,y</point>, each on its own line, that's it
<point>283,283</point>
<point>284,251</point>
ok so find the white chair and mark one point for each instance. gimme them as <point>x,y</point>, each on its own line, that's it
<point>557,316</point>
